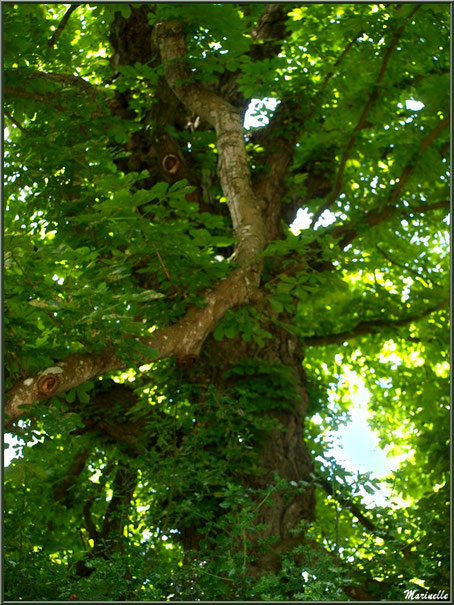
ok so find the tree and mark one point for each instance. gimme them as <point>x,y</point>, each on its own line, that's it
<point>176,352</point>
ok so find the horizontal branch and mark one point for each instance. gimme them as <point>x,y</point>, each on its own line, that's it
<point>369,327</point>
<point>183,340</point>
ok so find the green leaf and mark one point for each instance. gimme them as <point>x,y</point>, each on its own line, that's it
<point>276,305</point>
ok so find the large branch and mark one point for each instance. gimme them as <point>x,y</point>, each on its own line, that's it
<point>269,186</point>
<point>233,169</point>
<point>362,119</point>
<point>268,34</point>
<point>280,141</point>
<point>281,146</point>
<point>61,489</point>
<point>369,327</point>
<point>276,138</point>
<point>184,339</point>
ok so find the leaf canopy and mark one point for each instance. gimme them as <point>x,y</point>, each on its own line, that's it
<point>120,242</point>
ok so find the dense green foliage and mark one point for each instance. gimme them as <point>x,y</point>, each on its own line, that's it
<point>151,481</point>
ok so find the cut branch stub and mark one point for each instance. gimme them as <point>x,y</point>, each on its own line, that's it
<point>57,379</point>
<point>171,163</point>
<point>183,339</point>
<point>48,384</point>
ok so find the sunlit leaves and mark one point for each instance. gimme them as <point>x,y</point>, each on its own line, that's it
<point>104,247</point>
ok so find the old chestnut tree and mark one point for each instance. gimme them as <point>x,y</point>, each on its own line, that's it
<point>218,219</point>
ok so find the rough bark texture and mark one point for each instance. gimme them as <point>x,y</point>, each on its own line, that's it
<point>180,104</point>
<point>255,208</point>
<point>282,452</point>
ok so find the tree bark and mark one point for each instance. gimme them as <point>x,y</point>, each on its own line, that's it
<point>283,454</point>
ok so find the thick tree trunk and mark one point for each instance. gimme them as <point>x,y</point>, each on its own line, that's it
<point>282,452</point>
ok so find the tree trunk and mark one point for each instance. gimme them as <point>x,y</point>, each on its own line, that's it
<point>284,459</point>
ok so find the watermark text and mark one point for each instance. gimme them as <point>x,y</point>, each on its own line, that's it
<point>414,595</point>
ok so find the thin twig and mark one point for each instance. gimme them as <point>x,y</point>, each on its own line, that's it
<point>32,95</point>
<point>404,267</point>
<point>70,79</point>
<point>22,372</point>
<point>62,25</point>
<point>198,570</point>
<point>15,122</point>
<point>161,262</point>
<point>362,121</point>
<point>330,74</point>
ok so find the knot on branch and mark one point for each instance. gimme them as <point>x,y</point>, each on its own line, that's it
<point>48,384</point>
<point>171,163</point>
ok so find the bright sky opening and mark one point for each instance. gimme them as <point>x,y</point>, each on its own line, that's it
<point>414,105</point>
<point>256,114</point>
